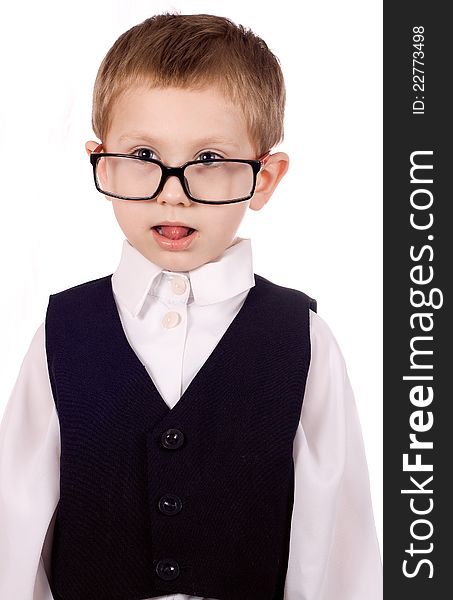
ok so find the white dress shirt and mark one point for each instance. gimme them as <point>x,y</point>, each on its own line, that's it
<point>178,319</point>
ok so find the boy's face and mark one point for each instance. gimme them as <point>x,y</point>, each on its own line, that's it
<point>176,126</point>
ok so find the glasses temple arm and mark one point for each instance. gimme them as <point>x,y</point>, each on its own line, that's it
<point>264,158</point>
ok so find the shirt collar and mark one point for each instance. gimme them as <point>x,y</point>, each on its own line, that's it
<point>216,281</point>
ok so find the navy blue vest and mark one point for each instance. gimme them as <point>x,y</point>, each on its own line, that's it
<point>196,499</point>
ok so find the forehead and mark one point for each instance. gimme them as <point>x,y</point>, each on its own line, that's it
<point>175,116</point>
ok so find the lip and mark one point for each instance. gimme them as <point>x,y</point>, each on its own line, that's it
<point>174,223</point>
<point>174,245</point>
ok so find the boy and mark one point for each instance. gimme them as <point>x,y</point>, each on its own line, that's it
<point>164,451</point>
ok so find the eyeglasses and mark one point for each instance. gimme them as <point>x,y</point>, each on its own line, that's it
<point>215,181</point>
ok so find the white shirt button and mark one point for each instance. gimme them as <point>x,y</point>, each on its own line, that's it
<point>171,319</point>
<point>178,285</point>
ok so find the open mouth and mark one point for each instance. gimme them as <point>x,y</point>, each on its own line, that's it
<point>173,232</point>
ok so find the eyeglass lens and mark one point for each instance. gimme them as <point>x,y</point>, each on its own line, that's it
<point>212,181</point>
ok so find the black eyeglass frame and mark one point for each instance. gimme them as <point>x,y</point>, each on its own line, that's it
<point>178,172</point>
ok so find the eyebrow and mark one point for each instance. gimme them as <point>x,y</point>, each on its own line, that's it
<point>207,140</point>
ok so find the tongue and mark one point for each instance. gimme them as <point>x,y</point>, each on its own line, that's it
<point>174,232</point>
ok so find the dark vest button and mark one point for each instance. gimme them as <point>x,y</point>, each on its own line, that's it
<point>170,504</point>
<point>172,439</point>
<point>167,569</point>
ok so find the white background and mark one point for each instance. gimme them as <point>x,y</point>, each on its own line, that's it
<point>321,231</point>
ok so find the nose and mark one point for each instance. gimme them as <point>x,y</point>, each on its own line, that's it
<point>173,193</point>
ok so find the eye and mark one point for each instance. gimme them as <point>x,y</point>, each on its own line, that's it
<point>208,156</point>
<point>144,153</point>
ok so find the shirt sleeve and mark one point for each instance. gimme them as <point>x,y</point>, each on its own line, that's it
<point>334,552</point>
<point>29,479</point>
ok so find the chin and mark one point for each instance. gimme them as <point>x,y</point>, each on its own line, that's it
<point>178,263</point>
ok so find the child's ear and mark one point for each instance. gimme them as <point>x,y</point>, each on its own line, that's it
<point>90,146</point>
<point>268,179</point>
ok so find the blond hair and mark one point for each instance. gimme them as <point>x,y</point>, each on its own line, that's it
<point>193,52</point>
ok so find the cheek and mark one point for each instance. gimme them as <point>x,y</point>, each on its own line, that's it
<point>129,214</point>
<point>228,218</point>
